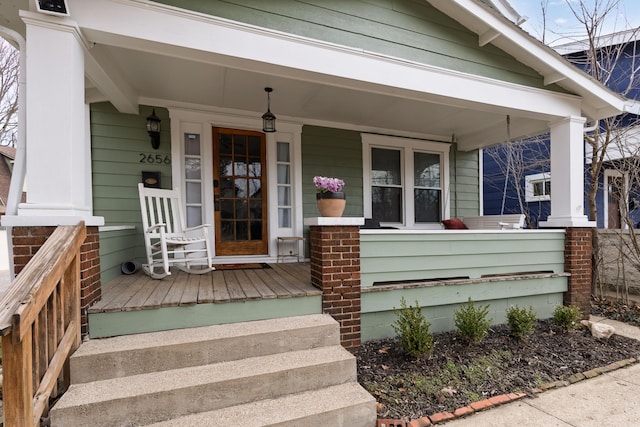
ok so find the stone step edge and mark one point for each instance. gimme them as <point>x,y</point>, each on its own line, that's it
<point>201,333</point>
<point>157,382</point>
<point>285,408</point>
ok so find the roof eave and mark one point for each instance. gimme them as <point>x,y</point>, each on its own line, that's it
<point>599,101</point>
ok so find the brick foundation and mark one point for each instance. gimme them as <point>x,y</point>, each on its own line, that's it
<point>27,241</point>
<point>335,268</point>
<point>578,248</point>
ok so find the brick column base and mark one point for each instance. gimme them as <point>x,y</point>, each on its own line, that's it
<point>27,241</point>
<point>335,268</point>
<point>578,248</point>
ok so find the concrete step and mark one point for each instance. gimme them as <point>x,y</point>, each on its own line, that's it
<point>158,396</point>
<point>101,359</point>
<point>341,405</point>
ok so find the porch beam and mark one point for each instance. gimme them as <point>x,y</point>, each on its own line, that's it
<point>110,81</point>
<point>488,36</point>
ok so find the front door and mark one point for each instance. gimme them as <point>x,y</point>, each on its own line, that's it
<point>240,199</point>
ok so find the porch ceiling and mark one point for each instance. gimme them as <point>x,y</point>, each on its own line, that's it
<point>176,81</point>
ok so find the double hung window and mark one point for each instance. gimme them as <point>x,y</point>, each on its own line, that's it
<point>405,180</point>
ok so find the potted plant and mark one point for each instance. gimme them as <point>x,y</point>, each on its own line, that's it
<point>330,198</point>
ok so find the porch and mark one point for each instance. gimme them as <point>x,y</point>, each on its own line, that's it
<point>136,303</point>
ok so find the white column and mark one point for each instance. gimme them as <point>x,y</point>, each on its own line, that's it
<point>58,144</point>
<point>567,174</point>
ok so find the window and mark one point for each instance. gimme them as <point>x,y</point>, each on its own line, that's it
<point>284,185</point>
<point>404,180</point>
<point>538,187</point>
<point>193,179</point>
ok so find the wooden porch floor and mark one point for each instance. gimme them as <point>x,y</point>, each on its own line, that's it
<point>140,292</point>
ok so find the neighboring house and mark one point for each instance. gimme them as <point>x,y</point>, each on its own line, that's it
<point>394,97</point>
<point>528,187</point>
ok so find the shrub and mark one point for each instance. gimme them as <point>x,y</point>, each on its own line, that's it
<point>472,322</point>
<point>521,321</point>
<point>413,330</point>
<point>567,317</point>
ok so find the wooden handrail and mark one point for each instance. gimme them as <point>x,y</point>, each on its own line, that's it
<point>40,327</point>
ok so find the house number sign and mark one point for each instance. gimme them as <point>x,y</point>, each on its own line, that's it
<point>156,159</point>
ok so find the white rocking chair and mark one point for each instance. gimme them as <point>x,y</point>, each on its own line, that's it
<point>167,240</point>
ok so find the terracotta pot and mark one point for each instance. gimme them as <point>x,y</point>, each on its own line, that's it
<point>331,204</point>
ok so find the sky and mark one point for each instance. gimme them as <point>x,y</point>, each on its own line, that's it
<point>561,21</point>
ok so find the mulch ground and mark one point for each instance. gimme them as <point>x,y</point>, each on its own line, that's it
<point>456,374</point>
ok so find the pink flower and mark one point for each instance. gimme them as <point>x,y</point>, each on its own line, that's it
<point>328,185</point>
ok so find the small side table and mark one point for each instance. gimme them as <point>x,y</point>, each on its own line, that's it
<point>291,241</point>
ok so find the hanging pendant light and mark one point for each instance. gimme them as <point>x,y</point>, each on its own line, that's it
<point>268,119</point>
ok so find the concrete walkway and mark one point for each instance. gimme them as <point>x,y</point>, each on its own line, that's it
<point>610,399</point>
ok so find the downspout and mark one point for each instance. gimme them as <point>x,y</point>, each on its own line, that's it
<point>19,165</point>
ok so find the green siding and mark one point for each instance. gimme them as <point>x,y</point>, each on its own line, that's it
<point>334,153</point>
<point>439,303</point>
<point>408,29</point>
<point>465,183</point>
<point>118,142</point>
<point>388,256</point>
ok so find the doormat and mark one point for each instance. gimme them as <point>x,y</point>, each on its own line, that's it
<point>245,266</point>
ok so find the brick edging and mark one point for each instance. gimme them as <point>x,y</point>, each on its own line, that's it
<point>482,405</point>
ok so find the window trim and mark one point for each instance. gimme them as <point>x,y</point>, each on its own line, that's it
<point>407,147</point>
<point>532,179</point>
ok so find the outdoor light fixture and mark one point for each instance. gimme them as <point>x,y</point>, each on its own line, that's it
<point>268,119</point>
<point>153,128</point>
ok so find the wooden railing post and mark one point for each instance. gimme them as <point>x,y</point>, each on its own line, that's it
<point>17,381</point>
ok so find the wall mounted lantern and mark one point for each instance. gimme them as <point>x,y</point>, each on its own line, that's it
<point>268,119</point>
<point>153,128</point>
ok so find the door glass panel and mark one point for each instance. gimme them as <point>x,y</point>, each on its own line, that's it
<point>283,152</point>
<point>225,144</point>
<point>242,230</point>
<point>255,188</point>
<point>239,168</point>
<point>226,166</point>
<point>241,208</point>
<point>256,209</point>
<point>284,215</point>
<point>283,174</point>
<point>284,197</point>
<point>192,144</point>
<point>226,231</point>
<point>255,169</point>
<point>254,147</point>
<point>194,216</point>
<point>194,192</point>
<point>240,146</point>
<point>240,187</point>
<point>256,230</point>
<point>192,168</point>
